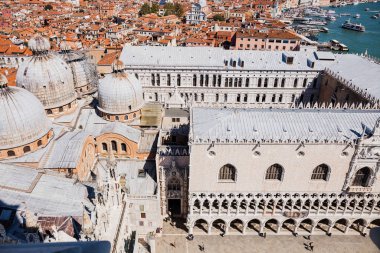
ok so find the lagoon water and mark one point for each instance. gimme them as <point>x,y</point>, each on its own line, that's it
<point>357,42</point>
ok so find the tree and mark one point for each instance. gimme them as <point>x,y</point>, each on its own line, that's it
<point>218,17</point>
<point>145,9</point>
<point>169,9</point>
<point>48,7</point>
<point>178,10</point>
<point>154,8</point>
<point>173,9</point>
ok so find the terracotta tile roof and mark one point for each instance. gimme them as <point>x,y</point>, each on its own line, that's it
<point>108,59</point>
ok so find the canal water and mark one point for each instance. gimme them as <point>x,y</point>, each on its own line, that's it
<point>357,42</point>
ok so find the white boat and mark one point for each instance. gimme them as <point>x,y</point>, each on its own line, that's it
<point>355,2</point>
<point>331,18</point>
<point>357,16</point>
<point>343,4</point>
<point>324,29</point>
<point>352,26</point>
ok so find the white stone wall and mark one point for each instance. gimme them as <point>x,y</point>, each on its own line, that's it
<point>234,87</point>
<point>251,168</point>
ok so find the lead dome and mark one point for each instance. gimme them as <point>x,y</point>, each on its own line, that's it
<point>84,72</point>
<point>24,126</point>
<point>120,96</point>
<point>48,77</point>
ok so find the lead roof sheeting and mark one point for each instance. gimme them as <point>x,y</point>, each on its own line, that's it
<point>52,195</point>
<point>16,177</point>
<point>142,186</point>
<point>67,150</point>
<point>215,58</point>
<point>269,124</point>
<point>360,71</point>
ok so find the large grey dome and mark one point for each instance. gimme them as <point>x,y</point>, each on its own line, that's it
<point>22,118</point>
<point>47,76</point>
<point>120,93</point>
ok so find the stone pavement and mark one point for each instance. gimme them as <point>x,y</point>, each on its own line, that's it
<point>174,241</point>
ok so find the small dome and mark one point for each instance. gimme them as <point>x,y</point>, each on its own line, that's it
<point>22,118</point>
<point>84,72</point>
<point>120,93</point>
<point>39,44</point>
<point>47,76</point>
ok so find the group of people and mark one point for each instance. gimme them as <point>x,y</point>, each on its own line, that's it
<point>309,245</point>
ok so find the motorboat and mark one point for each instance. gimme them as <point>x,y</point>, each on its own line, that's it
<point>331,18</point>
<point>353,26</point>
<point>357,16</point>
<point>324,29</point>
<point>314,22</point>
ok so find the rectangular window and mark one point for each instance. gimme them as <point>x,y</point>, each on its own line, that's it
<point>168,80</point>
<point>141,173</point>
<point>178,80</point>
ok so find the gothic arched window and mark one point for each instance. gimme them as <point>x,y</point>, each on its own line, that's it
<point>362,177</point>
<point>321,172</point>
<point>174,184</point>
<point>275,172</point>
<point>227,172</point>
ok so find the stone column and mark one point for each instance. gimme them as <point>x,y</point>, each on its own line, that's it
<point>190,229</point>
<point>345,208</point>
<point>329,229</point>
<point>226,229</point>
<point>209,229</point>
<point>244,228</point>
<point>278,228</point>
<point>372,208</point>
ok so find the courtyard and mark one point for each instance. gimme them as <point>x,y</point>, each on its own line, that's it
<point>174,240</point>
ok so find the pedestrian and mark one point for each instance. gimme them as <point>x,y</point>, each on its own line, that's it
<point>311,248</point>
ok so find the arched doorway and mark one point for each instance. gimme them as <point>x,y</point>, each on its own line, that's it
<point>306,225</point>
<point>200,226</point>
<point>271,226</point>
<point>253,225</point>
<point>219,226</point>
<point>289,225</point>
<point>341,225</point>
<point>374,224</point>
<point>236,226</point>
<point>358,225</point>
<point>323,225</point>
<point>174,197</point>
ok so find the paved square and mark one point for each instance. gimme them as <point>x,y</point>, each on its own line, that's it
<point>174,241</point>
